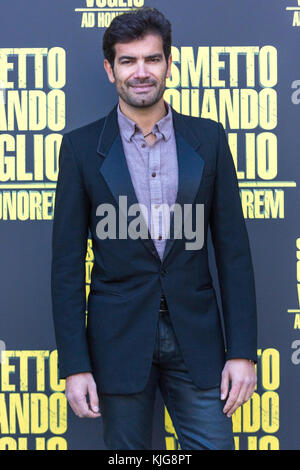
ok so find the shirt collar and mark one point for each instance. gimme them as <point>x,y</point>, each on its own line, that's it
<point>128,127</point>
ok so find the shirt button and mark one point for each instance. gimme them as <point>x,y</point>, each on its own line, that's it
<point>153,174</point>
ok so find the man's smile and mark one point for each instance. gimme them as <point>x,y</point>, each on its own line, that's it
<point>142,88</point>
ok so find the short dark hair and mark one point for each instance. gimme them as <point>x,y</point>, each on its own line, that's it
<point>133,25</point>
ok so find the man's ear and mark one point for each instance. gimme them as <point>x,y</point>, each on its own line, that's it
<point>109,70</point>
<point>169,66</point>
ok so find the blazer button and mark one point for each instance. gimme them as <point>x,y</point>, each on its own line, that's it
<point>163,272</point>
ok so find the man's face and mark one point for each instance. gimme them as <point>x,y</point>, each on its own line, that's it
<point>140,71</point>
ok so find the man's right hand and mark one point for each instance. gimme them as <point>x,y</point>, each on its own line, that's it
<point>77,388</point>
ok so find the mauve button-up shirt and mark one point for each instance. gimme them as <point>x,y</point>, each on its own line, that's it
<point>154,172</point>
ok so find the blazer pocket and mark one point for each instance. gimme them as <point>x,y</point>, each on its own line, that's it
<point>205,287</point>
<point>104,292</point>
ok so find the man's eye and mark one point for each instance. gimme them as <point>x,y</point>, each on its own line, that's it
<point>152,59</point>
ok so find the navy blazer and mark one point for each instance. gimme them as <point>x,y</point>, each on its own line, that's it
<point>128,276</point>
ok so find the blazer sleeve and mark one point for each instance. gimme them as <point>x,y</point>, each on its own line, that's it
<point>233,258</point>
<point>69,245</point>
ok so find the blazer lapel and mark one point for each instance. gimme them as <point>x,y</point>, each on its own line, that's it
<point>115,171</point>
<point>190,170</point>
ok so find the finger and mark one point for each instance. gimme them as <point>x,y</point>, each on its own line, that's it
<point>93,399</point>
<point>72,400</point>
<point>250,390</point>
<point>224,385</point>
<point>73,407</point>
<point>240,399</point>
<point>76,410</point>
<point>81,408</point>
<point>233,394</point>
<point>84,409</point>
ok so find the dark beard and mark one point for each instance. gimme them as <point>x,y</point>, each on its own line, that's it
<point>141,102</point>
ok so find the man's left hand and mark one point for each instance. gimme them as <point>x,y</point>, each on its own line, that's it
<point>242,375</point>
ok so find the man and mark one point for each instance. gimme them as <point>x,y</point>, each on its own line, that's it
<point>153,318</point>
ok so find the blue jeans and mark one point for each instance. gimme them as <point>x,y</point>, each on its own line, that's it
<point>196,414</point>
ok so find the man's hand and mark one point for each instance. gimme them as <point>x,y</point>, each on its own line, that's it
<point>77,387</point>
<point>242,375</point>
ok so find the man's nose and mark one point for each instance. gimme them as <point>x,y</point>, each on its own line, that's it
<point>141,70</point>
